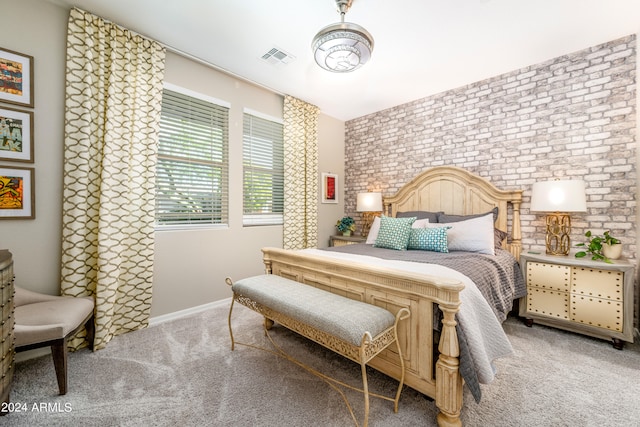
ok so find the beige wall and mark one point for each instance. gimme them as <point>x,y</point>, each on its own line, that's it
<point>190,266</point>
<point>330,159</point>
<point>38,28</point>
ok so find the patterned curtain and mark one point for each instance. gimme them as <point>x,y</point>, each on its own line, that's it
<point>301,174</point>
<point>112,114</point>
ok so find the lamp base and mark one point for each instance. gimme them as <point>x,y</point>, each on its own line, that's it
<point>367,220</point>
<point>558,230</point>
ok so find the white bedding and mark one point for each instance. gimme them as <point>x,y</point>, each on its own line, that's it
<point>486,339</point>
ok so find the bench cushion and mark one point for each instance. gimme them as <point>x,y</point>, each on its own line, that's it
<point>339,316</point>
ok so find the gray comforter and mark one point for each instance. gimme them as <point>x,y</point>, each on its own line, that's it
<point>499,280</point>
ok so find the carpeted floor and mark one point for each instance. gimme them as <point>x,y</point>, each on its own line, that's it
<point>183,373</point>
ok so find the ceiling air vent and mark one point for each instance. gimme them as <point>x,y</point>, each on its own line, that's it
<point>277,56</point>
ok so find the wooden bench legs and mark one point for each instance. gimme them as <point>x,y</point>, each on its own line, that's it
<point>366,341</point>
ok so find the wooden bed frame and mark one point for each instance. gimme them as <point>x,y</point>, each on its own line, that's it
<point>449,189</point>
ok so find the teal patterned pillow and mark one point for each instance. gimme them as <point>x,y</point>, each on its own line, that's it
<point>429,239</point>
<point>394,233</point>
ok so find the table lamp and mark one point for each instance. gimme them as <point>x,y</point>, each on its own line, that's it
<point>370,204</point>
<point>557,198</point>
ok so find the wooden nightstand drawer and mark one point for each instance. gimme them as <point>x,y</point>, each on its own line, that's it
<point>599,283</point>
<point>346,240</point>
<point>342,242</point>
<point>599,312</point>
<point>548,276</point>
<point>547,302</point>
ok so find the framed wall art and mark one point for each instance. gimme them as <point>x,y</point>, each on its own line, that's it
<point>329,188</point>
<point>16,135</point>
<point>16,78</point>
<point>17,193</point>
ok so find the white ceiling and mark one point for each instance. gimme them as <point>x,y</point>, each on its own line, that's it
<point>422,47</point>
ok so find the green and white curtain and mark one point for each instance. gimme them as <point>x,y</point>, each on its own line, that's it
<point>300,133</point>
<point>112,114</point>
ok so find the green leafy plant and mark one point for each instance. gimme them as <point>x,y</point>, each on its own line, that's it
<point>594,244</point>
<point>346,224</point>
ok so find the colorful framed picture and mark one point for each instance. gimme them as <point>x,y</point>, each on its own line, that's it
<point>17,193</point>
<point>16,78</point>
<point>329,188</point>
<point>16,135</point>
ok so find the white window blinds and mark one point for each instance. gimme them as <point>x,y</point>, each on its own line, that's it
<point>263,171</point>
<point>192,172</point>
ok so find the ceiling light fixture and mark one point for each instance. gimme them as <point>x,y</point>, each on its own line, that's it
<point>344,46</point>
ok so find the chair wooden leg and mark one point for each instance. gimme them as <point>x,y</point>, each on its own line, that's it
<point>59,353</point>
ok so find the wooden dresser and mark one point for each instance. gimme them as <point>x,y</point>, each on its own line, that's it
<point>6,323</point>
<point>580,295</point>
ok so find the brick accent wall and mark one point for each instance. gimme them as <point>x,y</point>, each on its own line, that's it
<point>570,117</point>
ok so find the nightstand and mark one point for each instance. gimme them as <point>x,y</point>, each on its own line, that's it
<point>346,240</point>
<point>579,295</point>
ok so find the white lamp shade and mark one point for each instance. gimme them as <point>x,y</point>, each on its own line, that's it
<point>558,196</point>
<point>369,202</point>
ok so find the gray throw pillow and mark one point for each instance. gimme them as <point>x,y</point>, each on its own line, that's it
<point>431,216</point>
<point>443,217</point>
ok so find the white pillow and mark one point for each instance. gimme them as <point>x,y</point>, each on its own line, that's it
<point>375,228</point>
<point>472,235</point>
<point>420,223</point>
<point>373,231</point>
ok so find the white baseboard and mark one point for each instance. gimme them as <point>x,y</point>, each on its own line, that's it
<point>154,321</point>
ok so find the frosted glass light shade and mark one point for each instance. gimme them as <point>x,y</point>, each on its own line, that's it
<point>342,47</point>
<point>558,196</point>
<point>369,202</point>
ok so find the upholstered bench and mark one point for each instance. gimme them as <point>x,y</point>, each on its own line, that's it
<point>353,329</point>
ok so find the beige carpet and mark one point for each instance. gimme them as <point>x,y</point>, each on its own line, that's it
<point>183,373</point>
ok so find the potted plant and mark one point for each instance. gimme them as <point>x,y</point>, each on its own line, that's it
<point>346,225</point>
<point>601,247</point>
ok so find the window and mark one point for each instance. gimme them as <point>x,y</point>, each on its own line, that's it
<point>192,170</point>
<point>263,170</point>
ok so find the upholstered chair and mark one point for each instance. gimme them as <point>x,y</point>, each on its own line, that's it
<point>45,320</point>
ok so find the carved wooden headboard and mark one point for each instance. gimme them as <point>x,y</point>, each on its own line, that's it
<point>458,192</point>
